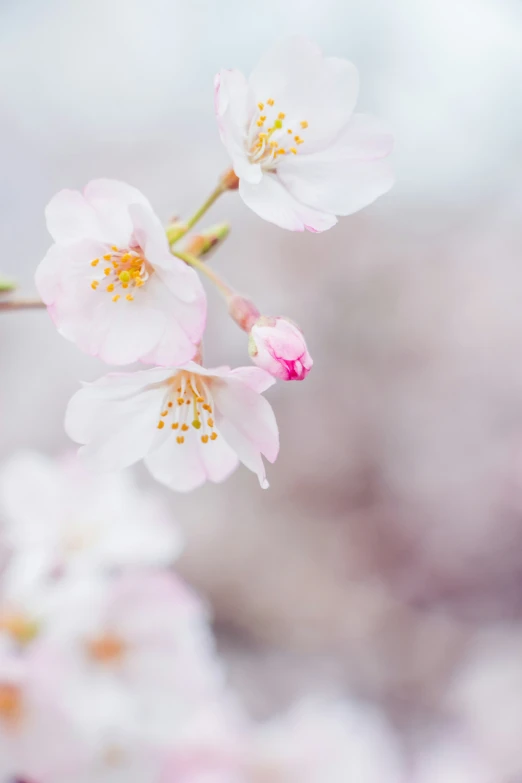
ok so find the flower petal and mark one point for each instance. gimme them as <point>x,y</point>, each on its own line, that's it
<point>257,379</point>
<point>306,86</point>
<point>273,202</point>
<point>247,422</point>
<point>115,433</point>
<point>347,176</point>
<point>177,276</point>
<point>231,102</point>
<point>183,325</point>
<point>183,467</point>
<point>70,218</point>
<point>127,332</point>
<point>111,200</point>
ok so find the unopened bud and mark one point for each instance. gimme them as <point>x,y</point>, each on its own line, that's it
<point>230,180</point>
<point>201,244</point>
<point>243,311</point>
<point>278,346</point>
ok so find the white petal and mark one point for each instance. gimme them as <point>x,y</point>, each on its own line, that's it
<point>247,453</point>
<point>347,176</point>
<point>118,385</point>
<point>111,200</point>
<point>257,379</point>
<point>70,218</point>
<point>183,325</point>
<point>116,433</point>
<point>128,332</point>
<point>231,101</point>
<point>182,281</point>
<point>273,202</point>
<point>178,465</point>
<point>48,272</point>
<point>247,422</point>
<point>306,86</point>
<point>250,413</point>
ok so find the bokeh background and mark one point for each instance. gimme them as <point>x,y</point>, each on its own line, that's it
<point>385,561</point>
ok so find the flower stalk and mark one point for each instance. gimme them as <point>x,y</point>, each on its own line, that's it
<point>196,263</point>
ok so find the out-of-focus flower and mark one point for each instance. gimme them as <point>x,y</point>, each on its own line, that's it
<point>301,155</point>
<point>322,742</point>
<point>79,521</point>
<point>36,740</point>
<point>190,424</point>
<point>110,282</point>
<point>140,660</point>
<point>278,346</point>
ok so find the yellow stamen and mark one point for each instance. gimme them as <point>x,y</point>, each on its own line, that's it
<point>115,297</point>
<point>175,425</point>
<point>184,427</point>
<point>259,124</point>
<point>95,262</point>
<point>290,131</point>
<point>106,649</point>
<point>129,298</point>
<point>169,404</point>
<point>204,438</point>
<point>164,413</point>
<point>10,703</point>
<point>107,257</point>
<point>161,424</point>
<point>260,106</point>
<point>107,271</point>
<point>94,285</point>
<point>210,422</point>
<point>110,288</point>
<point>281,115</point>
<point>124,285</point>
<point>270,101</point>
<point>213,436</point>
<point>180,439</point>
<point>206,407</point>
<point>304,124</point>
<point>293,150</point>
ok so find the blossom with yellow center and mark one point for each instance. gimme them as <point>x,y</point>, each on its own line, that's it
<point>300,153</point>
<point>111,283</point>
<point>189,424</point>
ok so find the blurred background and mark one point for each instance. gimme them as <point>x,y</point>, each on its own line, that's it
<point>385,561</point>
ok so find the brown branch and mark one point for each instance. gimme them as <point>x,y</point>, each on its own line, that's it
<point>21,304</point>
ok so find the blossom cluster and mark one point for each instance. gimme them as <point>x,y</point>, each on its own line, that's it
<point>124,288</point>
<point>108,672</point>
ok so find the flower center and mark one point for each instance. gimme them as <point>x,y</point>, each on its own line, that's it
<point>106,648</point>
<point>188,403</point>
<point>124,271</point>
<point>21,629</point>
<point>272,136</point>
<point>10,703</point>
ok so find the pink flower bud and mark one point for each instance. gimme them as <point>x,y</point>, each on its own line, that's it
<point>278,346</point>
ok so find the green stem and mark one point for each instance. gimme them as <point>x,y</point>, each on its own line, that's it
<point>196,263</point>
<point>176,232</point>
